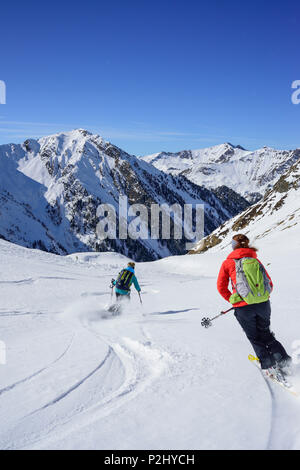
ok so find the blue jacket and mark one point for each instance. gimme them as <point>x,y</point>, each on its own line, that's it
<point>133,281</point>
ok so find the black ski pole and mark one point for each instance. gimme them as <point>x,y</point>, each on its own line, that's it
<point>207,322</point>
<point>112,288</point>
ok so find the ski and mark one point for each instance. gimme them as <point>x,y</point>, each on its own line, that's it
<point>280,381</point>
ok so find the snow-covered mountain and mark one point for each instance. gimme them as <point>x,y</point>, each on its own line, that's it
<point>249,173</point>
<point>278,211</point>
<point>50,190</point>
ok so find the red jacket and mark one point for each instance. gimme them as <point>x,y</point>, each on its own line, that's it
<point>227,273</point>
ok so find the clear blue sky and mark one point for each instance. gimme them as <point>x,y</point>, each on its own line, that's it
<point>152,75</point>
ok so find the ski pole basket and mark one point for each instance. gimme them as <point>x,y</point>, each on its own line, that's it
<point>207,322</point>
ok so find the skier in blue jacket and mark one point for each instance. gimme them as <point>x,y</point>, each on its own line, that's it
<point>125,279</point>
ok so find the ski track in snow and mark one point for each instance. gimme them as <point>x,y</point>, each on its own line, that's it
<point>142,364</point>
<point>280,399</point>
<point>18,313</point>
<point>272,418</point>
<point>74,387</point>
<point>20,282</point>
<point>285,409</point>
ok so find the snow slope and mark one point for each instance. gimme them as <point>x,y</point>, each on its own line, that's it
<point>152,378</point>
<point>249,173</point>
<point>277,212</point>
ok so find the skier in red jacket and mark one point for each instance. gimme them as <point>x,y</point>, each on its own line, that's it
<point>254,318</point>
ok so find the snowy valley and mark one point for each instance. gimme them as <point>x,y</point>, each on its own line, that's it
<point>50,190</point>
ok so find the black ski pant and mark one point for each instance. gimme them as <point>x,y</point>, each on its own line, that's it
<point>255,321</point>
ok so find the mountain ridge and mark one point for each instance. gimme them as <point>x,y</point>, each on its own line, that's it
<point>249,173</point>
<point>276,212</point>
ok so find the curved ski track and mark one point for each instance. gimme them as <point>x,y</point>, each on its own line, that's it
<point>141,362</point>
